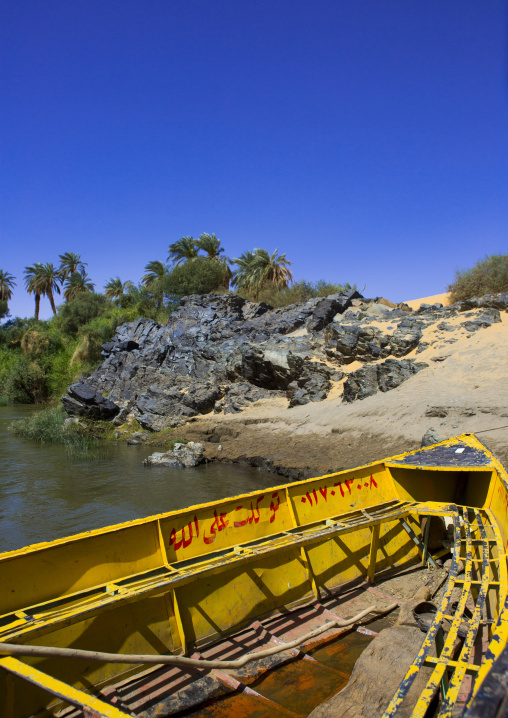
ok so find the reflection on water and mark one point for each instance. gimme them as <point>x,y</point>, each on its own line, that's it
<point>44,495</point>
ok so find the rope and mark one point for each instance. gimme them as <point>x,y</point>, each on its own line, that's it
<point>483,431</point>
<point>11,649</point>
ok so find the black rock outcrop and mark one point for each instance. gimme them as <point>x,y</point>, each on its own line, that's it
<point>83,400</point>
<point>220,353</point>
<point>388,375</point>
<point>216,353</point>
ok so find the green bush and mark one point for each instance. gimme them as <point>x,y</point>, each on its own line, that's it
<point>490,275</point>
<point>12,331</point>
<point>298,292</point>
<point>82,309</point>
<point>139,302</point>
<point>40,342</point>
<point>200,276</point>
<point>26,383</point>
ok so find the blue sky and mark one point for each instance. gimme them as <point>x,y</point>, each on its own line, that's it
<point>368,140</point>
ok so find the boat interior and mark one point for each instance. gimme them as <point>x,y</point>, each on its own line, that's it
<point>260,605</point>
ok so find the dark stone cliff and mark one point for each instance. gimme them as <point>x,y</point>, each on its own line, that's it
<point>219,353</point>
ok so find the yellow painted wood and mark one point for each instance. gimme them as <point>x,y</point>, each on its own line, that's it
<point>373,554</point>
<point>177,580</point>
<point>60,690</point>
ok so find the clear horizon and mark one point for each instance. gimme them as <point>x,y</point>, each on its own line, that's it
<point>367,141</point>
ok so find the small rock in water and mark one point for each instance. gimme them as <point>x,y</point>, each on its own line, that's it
<point>182,456</point>
<point>430,437</point>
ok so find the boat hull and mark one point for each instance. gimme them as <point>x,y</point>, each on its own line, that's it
<point>176,582</point>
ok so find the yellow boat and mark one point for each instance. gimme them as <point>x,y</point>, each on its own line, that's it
<point>174,613</point>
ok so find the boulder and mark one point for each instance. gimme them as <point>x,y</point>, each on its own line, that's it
<point>269,368</point>
<point>182,456</point>
<point>327,309</point>
<point>313,384</point>
<point>370,379</point>
<point>238,396</point>
<point>430,437</point>
<point>83,400</point>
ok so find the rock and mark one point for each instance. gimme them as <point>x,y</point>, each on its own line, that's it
<point>70,420</point>
<point>486,319</point>
<point>404,307</point>
<point>220,353</point>
<point>388,375</point>
<point>439,411</point>
<point>377,310</point>
<point>182,456</point>
<point>313,384</point>
<point>121,417</point>
<point>327,309</point>
<point>133,442</point>
<point>494,301</point>
<point>445,327</point>
<point>83,400</point>
<point>269,368</point>
<point>430,437</point>
<point>240,395</point>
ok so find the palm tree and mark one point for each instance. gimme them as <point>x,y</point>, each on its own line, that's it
<point>259,267</point>
<point>6,284</point>
<point>152,280</point>
<point>32,284</point>
<point>242,277</point>
<point>271,268</point>
<point>48,281</point>
<point>210,245</point>
<point>184,250</point>
<point>114,288</point>
<point>70,263</point>
<point>77,283</point>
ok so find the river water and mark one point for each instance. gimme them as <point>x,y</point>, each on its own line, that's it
<point>45,495</point>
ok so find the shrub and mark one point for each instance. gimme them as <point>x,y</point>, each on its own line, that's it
<point>79,311</point>
<point>298,292</point>
<point>200,276</point>
<point>26,383</point>
<point>12,331</point>
<point>47,427</point>
<point>488,276</point>
<point>36,343</point>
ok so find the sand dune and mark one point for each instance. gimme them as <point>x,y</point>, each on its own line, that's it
<point>444,299</point>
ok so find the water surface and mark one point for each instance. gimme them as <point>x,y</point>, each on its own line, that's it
<point>45,495</point>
